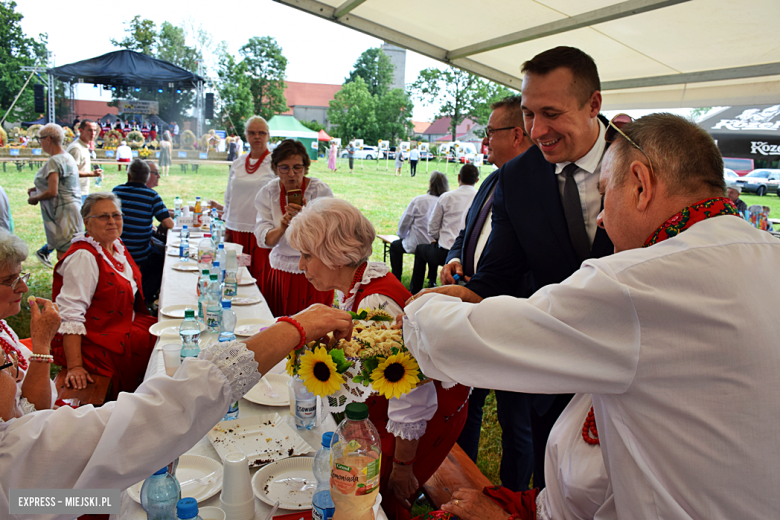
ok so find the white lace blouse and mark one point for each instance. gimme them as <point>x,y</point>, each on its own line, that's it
<point>242,188</point>
<point>80,275</point>
<point>409,414</point>
<point>269,216</point>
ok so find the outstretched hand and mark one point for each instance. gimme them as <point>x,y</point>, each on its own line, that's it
<point>318,320</point>
<point>458,291</point>
<point>470,504</point>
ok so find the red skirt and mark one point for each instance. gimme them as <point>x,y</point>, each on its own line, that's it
<point>440,436</point>
<point>260,268</point>
<point>290,293</point>
<point>127,369</point>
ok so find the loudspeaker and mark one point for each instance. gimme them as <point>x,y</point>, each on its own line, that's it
<point>209,106</point>
<point>40,98</point>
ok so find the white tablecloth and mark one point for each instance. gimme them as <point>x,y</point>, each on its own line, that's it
<point>180,288</point>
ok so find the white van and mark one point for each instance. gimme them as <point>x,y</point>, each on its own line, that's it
<point>465,152</point>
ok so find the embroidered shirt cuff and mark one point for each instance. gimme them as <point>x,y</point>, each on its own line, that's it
<point>237,364</point>
<point>407,431</point>
<point>72,327</point>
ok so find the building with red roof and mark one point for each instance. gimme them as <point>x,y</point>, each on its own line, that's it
<point>310,101</point>
<point>439,130</point>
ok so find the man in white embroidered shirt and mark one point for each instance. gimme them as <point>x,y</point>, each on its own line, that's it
<point>688,424</point>
<point>444,224</point>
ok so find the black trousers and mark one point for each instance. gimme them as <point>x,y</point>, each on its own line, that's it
<point>397,253</point>
<point>430,255</point>
<point>413,166</point>
<point>151,274</point>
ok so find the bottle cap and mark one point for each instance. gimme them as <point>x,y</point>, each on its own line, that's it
<point>357,411</point>
<point>161,471</point>
<point>187,508</point>
<point>227,304</point>
<point>206,235</point>
<point>213,277</point>
<point>189,313</point>
<point>184,226</point>
<point>327,438</point>
<point>216,264</point>
<point>206,272</point>
<point>221,245</point>
<point>197,198</point>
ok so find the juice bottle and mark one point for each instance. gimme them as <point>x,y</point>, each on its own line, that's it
<point>198,220</point>
<point>354,473</point>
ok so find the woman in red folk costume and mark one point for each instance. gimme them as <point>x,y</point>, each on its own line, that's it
<point>247,175</point>
<point>97,286</point>
<point>288,289</point>
<point>418,429</point>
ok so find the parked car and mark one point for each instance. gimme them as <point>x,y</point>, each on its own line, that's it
<point>760,181</point>
<point>368,152</point>
<point>729,175</point>
<point>390,152</point>
<point>740,166</point>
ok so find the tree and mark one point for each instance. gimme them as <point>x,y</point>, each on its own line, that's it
<point>393,114</point>
<point>265,65</point>
<point>460,94</point>
<point>16,51</point>
<point>376,69</point>
<point>141,36</point>
<point>352,112</point>
<point>234,102</point>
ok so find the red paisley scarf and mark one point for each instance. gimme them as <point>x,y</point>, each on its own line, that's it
<point>690,215</point>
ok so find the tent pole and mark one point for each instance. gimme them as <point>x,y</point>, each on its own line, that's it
<point>200,105</point>
<point>17,96</point>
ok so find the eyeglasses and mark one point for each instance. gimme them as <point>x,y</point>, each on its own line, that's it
<point>260,134</point>
<point>10,361</point>
<point>283,169</point>
<point>23,277</point>
<point>614,128</point>
<point>104,217</point>
<point>490,131</point>
<point>42,137</point>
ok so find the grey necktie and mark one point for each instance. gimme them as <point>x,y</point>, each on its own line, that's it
<point>572,208</point>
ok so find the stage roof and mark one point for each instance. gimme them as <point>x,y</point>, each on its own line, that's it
<point>650,53</point>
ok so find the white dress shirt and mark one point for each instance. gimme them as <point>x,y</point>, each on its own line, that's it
<point>413,226</point>
<point>484,234</point>
<point>81,154</point>
<point>587,179</point>
<point>124,152</point>
<point>675,342</point>
<point>449,214</point>
<point>269,216</point>
<point>414,155</point>
<point>80,276</point>
<point>242,188</point>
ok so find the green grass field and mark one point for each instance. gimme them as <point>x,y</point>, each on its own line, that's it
<point>373,188</point>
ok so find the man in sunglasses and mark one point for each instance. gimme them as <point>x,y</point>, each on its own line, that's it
<point>687,423</point>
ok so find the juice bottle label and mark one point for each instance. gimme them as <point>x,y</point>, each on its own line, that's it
<point>344,478</point>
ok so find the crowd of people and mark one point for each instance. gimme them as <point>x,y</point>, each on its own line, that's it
<point>631,357</point>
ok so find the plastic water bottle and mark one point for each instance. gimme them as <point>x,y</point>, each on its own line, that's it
<point>305,405</point>
<point>187,509</point>
<point>177,207</point>
<point>198,213</point>
<point>230,287</point>
<point>159,495</point>
<point>206,251</point>
<point>213,306</point>
<point>189,331</point>
<point>356,453</point>
<point>203,289</point>
<point>184,245</point>
<point>228,324</point>
<point>217,270</point>
<point>221,256</point>
<point>322,503</point>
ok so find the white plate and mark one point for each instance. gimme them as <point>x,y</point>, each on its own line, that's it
<point>187,267</point>
<point>169,328</point>
<point>259,393</point>
<point>262,438</point>
<point>174,251</point>
<point>291,482</point>
<point>251,326</point>
<point>247,281</point>
<point>245,299</point>
<point>177,311</point>
<point>190,467</point>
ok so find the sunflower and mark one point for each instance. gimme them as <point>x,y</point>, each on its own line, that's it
<point>318,372</point>
<point>395,376</point>
<point>290,367</point>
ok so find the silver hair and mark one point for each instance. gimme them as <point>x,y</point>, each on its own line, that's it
<point>54,131</point>
<point>255,119</point>
<point>13,250</point>
<point>92,198</point>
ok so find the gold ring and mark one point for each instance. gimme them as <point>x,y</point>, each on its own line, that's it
<point>456,501</point>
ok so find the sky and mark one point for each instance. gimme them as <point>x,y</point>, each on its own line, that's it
<point>318,51</point>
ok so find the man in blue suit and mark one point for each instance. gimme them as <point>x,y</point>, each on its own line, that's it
<point>506,140</point>
<point>547,200</point>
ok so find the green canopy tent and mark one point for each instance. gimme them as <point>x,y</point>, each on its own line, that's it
<point>291,128</point>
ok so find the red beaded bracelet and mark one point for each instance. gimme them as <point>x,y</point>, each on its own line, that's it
<point>294,322</point>
<point>396,461</point>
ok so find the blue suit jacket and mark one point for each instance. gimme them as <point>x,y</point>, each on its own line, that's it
<point>456,251</point>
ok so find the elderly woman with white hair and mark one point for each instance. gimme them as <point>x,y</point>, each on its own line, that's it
<point>97,285</point>
<point>58,191</point>
<point>24,374</point>
<point>420,428</point>
<point>288,290</point>
<point>247,175</point>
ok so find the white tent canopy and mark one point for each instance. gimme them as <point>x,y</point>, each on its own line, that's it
<point>650,53</point>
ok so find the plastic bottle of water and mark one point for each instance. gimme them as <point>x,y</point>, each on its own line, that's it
<point>231,276</point>
<point>213,305</point>
<point>221,258</point>
<point>322,503</point>
<point>189,331</point>
<point>228,324</point>
<point>217,270</point>
<point>159,495</point>
<point>206,251</point>
<point>305,405</point>
<point>197,213</point>
<point>176,207</point>
<point>187,509</point>
<point>184,245</point>
<point>203,289</point>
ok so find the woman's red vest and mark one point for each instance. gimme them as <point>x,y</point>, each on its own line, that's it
<point>387,285</point>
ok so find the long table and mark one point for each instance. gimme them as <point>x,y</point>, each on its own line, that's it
<point>179,288</point>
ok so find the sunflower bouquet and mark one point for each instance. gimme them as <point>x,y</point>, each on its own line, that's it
<point>375,358</point>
